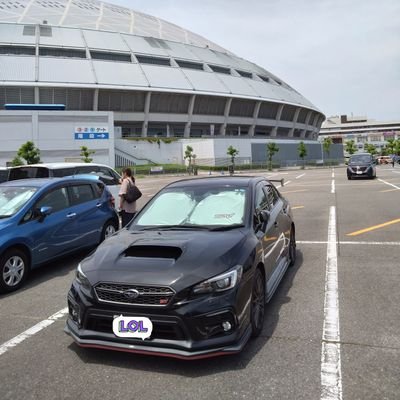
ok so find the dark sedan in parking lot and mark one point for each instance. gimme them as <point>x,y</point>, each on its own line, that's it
<point>361,165</point>
<point>43,219</point>
<point>190,276</point>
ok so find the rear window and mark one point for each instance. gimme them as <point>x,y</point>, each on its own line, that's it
<point>28,172</point>
<point>59,173</point>
<point>3,175</point>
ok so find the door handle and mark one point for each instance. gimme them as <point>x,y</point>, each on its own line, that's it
<point>98,205</point>
<point>71,215</point>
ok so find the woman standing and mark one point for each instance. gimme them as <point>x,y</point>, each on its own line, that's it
<point>128,210</point>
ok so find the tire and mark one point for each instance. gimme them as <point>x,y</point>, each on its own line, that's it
<point>109,229</point>
<point>349,177</point>
<point>257,310</point>
<point>14,268</point>
<point>292,248</point>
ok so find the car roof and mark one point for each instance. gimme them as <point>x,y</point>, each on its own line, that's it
<point>60,165</point>
<point>218,181</point>
<point>40,182</point>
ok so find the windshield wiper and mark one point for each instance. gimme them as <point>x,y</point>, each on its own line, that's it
<point>5,216</point>
<point>174,227</point>
<point>226,227</point>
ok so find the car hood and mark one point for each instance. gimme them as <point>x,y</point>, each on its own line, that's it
<point>177,259</point>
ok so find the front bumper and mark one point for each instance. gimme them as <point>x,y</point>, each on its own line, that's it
<point>191,331</point>
<point>362,172</point>
<point>157,350</point>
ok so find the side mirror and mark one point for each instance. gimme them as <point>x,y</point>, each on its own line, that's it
<point>44,212</point>
<point>264,217</point>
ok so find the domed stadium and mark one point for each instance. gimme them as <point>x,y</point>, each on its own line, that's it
<point>158,79</point>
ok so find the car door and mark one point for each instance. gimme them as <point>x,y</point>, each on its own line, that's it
<point>266,232</point>
<point>50,236</point>
<point>279,209</point>
<point>88,216</point>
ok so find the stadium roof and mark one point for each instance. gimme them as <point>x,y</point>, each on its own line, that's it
<point>98,15</point>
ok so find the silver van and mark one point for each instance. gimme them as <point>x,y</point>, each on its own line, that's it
<point>105,173</point>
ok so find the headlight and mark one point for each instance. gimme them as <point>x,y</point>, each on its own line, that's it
<point>220,283</point>
<point>81,277</point>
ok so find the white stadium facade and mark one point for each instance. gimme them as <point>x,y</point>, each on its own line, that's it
<point>136,76</point>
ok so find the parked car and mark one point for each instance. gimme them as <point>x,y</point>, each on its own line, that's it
<point>384,160</point>
<point>43,219</point>
<point>361,165</point>
<point>3,174</point>
<point>110,177</point>
<point>190,275</point>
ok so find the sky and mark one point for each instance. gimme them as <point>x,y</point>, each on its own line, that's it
<point>342,55</point>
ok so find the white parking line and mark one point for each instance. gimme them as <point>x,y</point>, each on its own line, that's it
<point>32,331</point>
<point>333,186</point>
<point>350,242</point>
<point>333,173</point>
<point>298,177</point>
<point>331,374</point>
<point>388,183</point>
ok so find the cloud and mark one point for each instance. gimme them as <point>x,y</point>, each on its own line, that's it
<point>342,55</point>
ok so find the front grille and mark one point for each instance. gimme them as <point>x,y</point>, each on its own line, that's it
<point>146,295</point>
<point>162,329</point>
<point>361,169</point>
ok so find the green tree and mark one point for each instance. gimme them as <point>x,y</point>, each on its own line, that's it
<point>29,152</point>
<point>86,153</point>
<point>391,145</point>
<point>350,147</point>
<point>16,161</point>
<point>189,155</point>
<point>370,148</point>
<point>326,144</point>
<point>232,153</point>
<point>272,148</point>
<point>302,149</point>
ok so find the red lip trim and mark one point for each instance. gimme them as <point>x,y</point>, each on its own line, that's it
<point>159,354</point>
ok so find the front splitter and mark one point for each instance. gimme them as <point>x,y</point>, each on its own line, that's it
<point>158,351</point>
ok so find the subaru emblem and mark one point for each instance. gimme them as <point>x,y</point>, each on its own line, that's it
<point>131,293</point>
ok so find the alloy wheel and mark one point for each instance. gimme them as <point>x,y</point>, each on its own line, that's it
<point>13,271</point>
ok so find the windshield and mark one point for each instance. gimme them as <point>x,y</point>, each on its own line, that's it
<point>360,158</point>
<point>13,198</point>
<point>200,207</point>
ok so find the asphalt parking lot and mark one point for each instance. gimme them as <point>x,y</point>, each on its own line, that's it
<point>325,334</point>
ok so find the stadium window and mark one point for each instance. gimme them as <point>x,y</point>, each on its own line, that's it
<point>18,50</point>
<point>264,78</point>
<point>100,55</point>
<point>244,74</point>
<point>29,30</point>
<point>220,70</point>
<point>153,60</point>
<point>190,65</point>
<point>61,52</point>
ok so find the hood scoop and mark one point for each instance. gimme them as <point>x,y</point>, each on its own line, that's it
<point>148,251</point>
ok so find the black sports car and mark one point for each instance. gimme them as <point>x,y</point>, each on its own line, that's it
<point>190,276</point>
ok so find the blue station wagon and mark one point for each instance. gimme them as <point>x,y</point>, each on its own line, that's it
<point>43,219</point>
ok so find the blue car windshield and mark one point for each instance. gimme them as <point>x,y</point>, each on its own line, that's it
<point>200,207</point>
<point>12,198</point>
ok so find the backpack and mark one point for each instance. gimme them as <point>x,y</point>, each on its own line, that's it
<point>132,193</point>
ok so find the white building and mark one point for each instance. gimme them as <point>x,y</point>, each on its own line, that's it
<point>360,129</point>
